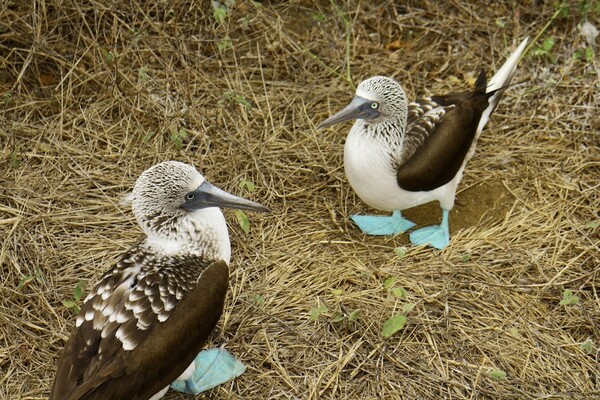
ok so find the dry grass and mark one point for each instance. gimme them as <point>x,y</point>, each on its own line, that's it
<point>82,86</point>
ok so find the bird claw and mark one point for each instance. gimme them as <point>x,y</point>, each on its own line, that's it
<point>213,367</point>
<point>381,225</point>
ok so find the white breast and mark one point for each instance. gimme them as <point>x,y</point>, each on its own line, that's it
<point>370,171</point>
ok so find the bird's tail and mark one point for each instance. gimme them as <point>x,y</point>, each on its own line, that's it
<point>499,82</point>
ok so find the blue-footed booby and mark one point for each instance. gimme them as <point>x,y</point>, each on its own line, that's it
<point>142,325</point>
<point>399,155</point>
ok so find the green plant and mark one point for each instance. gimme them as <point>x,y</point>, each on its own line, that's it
<point>177,136</point>
<point>400,251</point>
<point>229,98</point>
<point>146,138</point>
<point>393,325</point>
<point>588,346</point>
<point>37,275</point>
<point>15,159</point>
<point>221,10</point>
<point>73,304</point>
<point>545,50</point>
<point>497,374</point>
<point>143,73</point>
<point>569,298</point>
<point>248,185</point>
<point>242,220</point>
<point>316,312</point>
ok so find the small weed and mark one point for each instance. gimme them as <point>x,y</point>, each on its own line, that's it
<point>230,98</point>
<point>399,292</point>
<point>586,54</point>
<point>341,316</point>
<point>146,138</point>
<point>143,73</point>
<point>465,257</point>
<point>337,292</point>
<point>561,8</point>
<point>15,159</point>
<point>569,298</point>
<point>400,251</point>
<point>593,224</point>
<point>318,17</point>
<point>220,10</point>
<point>108,55</point>
<point>224,44</point>
<point>259,300</point>
<point>7,98</point>
<point>248,185</point>
<point>545,50</point>
<point>37,275</point>
<point>242,220</point>
<point>177,137</point>
<point>393,325</point>
<point>497,374</point>
<point>73,304</point>
<point>588,346</point>
<point>316,312</point>
<point>389,282</point>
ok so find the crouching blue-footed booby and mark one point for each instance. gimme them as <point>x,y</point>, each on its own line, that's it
<point>143,324</point>
<point>401,155</point>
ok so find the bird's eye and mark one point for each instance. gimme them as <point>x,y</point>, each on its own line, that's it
<point>190,196</point>
<point>374,106</point>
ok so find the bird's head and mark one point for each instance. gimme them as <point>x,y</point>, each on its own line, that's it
<point>169,193</point>
<point>378,98</point>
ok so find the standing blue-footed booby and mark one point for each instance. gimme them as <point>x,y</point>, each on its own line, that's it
<point>143,324</point>
<point>399,155</point>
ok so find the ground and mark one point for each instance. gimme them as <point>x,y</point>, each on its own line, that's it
<point>93,94</point>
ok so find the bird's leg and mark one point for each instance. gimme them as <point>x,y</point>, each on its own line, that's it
<point>212,368</point>
<point>380,225</point>
<point>437,236</point>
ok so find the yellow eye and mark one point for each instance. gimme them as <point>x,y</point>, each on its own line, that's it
<point>374,106</point>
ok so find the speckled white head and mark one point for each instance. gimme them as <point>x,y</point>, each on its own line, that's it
<point>387,93</point>
<point>178,210</point>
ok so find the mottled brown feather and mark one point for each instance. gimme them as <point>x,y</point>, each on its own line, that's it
<point>92,367</point>
<point>440,132</point>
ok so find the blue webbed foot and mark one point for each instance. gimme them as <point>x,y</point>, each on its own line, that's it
<point>437,236</point>
<point>212,368</point>
<point>380,225</point>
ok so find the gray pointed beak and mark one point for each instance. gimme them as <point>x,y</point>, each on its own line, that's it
<point>359,108</point>
<point>208,195</point>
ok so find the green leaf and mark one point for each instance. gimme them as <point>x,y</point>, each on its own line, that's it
<point>393,325</point>
<point>500,23</point>
<point>588,346</point>
<point>78,292</point>
<point>219,12</point>
<point>7,97</point>
<point>337,292</point>
<point>15,160</point>
<point>24,280</point>
<point>242,100</point>
<point>224,44</point>
<point>338,317</point>
<point>316,312</point>
<point>143,73</point>
<point>465,257</point>
<point>389,282</point>
<point>497,374</point>
<point>577,54</point>
<point>399,292</point>
<point>353,316</point>
<point>318,17</point>
<point>146,138</point>
<point>400,251</point>
<point>589,54</point>
<point>242,220</point>
<point>407,307</point>
<point>514,332</point>
<point>69,303</point>
<point>259,300</point>
<point>548,44</point>
<point>177,141</point>
<point>593,224</point>
<point>569,298</point>
<point>248,185</point>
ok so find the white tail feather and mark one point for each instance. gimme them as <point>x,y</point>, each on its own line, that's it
<point>501,79</point>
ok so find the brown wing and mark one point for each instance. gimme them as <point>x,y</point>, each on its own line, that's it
<point>440,131</point>
<point>140,327</point>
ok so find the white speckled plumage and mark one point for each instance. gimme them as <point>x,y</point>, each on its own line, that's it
<point>399,155</point>
<point>186,239</point>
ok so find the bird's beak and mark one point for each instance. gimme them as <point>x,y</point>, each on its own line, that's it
<point>359,108</point>
<point>208,195</point>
